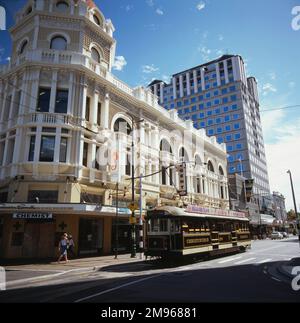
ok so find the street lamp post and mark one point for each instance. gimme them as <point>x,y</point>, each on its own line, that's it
<point>295,205</point>
<point>133,233</point>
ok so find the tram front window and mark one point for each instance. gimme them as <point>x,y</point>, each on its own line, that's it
<point>175,226</point>
<point>163,225</point>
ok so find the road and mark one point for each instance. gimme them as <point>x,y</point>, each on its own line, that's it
<point>242,277</point>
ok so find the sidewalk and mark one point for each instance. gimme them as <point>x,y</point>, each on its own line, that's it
<point>17,274</point>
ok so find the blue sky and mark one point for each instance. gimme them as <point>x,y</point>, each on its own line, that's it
<point>157,38</point>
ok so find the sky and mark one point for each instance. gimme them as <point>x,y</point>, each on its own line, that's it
<point>158,38</point>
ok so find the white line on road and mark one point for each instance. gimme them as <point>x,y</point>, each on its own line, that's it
<point>274,278</point>
<point>245,260</point>
<point>116,288</point>
<point>227,260</point>
<point>263,261</point>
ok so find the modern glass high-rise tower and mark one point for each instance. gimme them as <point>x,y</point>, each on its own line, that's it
<point>219,97</point>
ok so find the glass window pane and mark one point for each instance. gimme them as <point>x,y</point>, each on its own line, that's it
<point>31,148</point>
<point>63,150</point>
<point>44,100</point>
<point>62,6</point>
<point>47,149</point>
<point>61,103</point>
<point>58,43</point>
<point>95,55</point>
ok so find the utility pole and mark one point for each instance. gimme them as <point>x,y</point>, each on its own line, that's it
<point>117,221</point>
<point>133,235</point>
<point>295,205</point>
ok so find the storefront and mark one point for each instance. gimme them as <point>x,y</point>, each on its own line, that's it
<point>261,225</point>
<point>34,231</point>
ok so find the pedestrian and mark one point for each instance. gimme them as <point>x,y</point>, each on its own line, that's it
<point>63,248</point>
<point>71,246</point>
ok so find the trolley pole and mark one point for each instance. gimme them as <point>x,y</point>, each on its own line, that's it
<point>295,205</point>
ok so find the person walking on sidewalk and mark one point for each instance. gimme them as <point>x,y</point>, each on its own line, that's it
<point>63,248</point>
<point>71,246</point>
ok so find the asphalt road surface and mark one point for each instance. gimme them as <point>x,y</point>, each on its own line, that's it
<point>241,277</point>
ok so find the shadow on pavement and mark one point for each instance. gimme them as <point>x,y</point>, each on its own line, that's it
<point>239,284</point>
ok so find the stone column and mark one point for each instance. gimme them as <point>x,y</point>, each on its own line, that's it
<point>226,72</point>
<point>57,145</point>
<point>218,74</point>
<point>53,91</point>
<point>105,113</point>
<point>71,93</point>
<point>161,92</point>
<point>34,90</point>
<point>202,79</point>
<point>94,110</point>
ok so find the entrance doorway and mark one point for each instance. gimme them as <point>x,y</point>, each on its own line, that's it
<point>38,239</point>
<point>90,236</point>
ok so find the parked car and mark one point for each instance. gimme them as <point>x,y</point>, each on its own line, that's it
<point>284,234</point>
<point>276,235</point>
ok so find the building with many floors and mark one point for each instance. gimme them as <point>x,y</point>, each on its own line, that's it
<point>218,97</point>
<point>67,123</point>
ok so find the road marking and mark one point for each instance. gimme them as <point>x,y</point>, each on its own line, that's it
<point>227,260</point>
<point>116,288</point>
<point>245,260</point>
<point>263,261</point>
<point>274,278</point>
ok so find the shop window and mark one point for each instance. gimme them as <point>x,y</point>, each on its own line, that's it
<point>17,239</point>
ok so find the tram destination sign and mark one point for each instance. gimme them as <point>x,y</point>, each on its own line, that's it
<point>33,215</point>
<point>216,212</point>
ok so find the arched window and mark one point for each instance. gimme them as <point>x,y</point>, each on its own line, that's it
<point>29,11</point>
<point>165,146</point>
<point>23,47</point>
<point>221,171</point>
<point>96,20</point>
<point>122,126</point>
<point>62,6</point>
<point>210,167</point>
<point>58,43</point>
<point>183,155</point>
<point>95,55</point>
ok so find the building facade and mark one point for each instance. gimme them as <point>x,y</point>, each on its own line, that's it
<point>67,123</point>
<point>217,96</point>
<point>279,207</point>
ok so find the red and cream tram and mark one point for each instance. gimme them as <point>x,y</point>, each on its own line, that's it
<point>173,231</point>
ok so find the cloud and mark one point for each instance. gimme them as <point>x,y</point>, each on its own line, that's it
<point>205,52</point>
<point>272,76</point>
<point>128,7</point>
<point>200,6</point>
<point>120,63</point>
<point>159,12</point>
<point>268,88</point>
<point>291,84</point>
<point>148,69</point>
<point>150,3</point>
<point>221,37</point>
<point>165,78</point>
<point>219,52</point>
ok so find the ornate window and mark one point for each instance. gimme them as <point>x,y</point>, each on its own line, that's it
<point>23,47</point>
<point>62,6</point>
<point>58,43</point>
<point>221,171</point>
<point>96,20</point>
<point>123,126</point>
<point>210,167</point>
<point>95,55</point>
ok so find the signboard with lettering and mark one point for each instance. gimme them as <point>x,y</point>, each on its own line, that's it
<point>192,241</point>
<point>32,215</point>
<point>212,211</point>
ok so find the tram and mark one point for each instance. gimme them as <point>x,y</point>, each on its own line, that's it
<point>173,232</point>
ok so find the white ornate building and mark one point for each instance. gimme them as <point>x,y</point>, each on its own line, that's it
<point>59,104</point>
